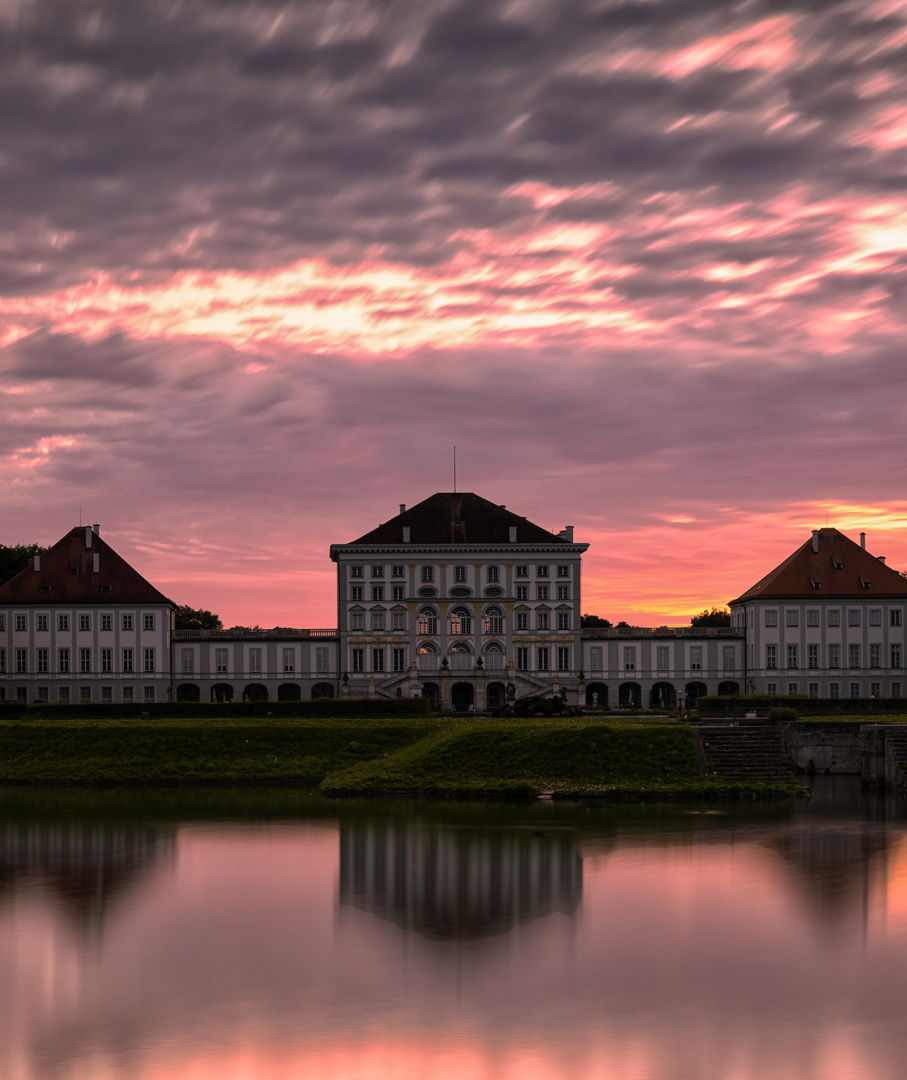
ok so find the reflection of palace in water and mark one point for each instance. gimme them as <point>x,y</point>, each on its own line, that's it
<point>450,883</point>
<point>84,865</point>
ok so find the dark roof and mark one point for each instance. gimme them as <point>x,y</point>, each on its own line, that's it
<point>459,518</point>
<point>840,568</point>
<point>66,576</point>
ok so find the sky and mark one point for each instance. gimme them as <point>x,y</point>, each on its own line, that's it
<point>263,264</point>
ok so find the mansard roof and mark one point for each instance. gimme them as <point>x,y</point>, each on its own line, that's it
<point>837,569</point>
<point>459,518</point>
<point>66,575</point>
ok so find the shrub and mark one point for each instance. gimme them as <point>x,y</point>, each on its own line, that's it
<point>782,715</point>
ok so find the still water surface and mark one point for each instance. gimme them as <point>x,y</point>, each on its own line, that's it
<point>251,935</point>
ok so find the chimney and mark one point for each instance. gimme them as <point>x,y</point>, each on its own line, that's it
<point>406,534</point>
<point>567,533</point>
<point>88,535</point>
<point>96,563</point>
<point>513,534</point>
<point>863,541</point>
<point>37,564</point>
<point>815,541</point>
<point>402,508</point>
<point>97,529</point>
<point>881,559</point>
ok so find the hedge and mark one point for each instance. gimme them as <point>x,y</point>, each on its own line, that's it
<point>804,706</point>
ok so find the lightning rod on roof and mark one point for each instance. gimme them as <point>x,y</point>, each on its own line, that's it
<point>455,470</point>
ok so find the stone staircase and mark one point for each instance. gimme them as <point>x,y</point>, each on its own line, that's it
<point>896,755</point>
<point>752,754</point>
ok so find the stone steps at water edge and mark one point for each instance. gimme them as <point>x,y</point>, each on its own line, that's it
<point>745,754</point>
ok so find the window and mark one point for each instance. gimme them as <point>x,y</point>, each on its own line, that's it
<point>377,592</point>
<point>107,695</point>
<point>21,622</point>
<point>563,592</point>
<point>62,622</point>
<point>22,661</point>
<point>460,621</point>
<point>85,660</point>
<point>662,654</point>
<point>813,689</point>
<point>42,657</point>
<point>127,622</point>
<point>358,658</point>
<point>834,656</point>
<point>22,694</point>
<point>128,660</point>
<point>494,573</point>
<point>771,688</point>
<point>522,620</point>
<point>63,693</point>
<point>695,658</point>
<point>2,661</point>
<point>522,592</point>
<point>834,690</point>
<point>148,621</point>
<point>595,658</point>
<point>771,618</point>
<point>428,573</point>
<point>629,658</point>
<point>771,656</point>
<point>563,658</point>
<point>895,689</point>
<point>220,661</point>
<point>834,617</point>
<point>377,571</point>
<point>792,657</point>
<point>853,617</point>
<point>895,617</point>
<point>812,656</point>
<point>377,620</point>
<point>396,592</point>
<point>895,656</point>
<point>875,689</point>
<point>563,620</point>
<point>399,656</point>
<point>854,654</point>
<point>542,658</point>
<point>43,694</point>
<point>148,659</point>
<point>494,621</point>
<point>3,621</point>
<point>541,592</point>
<point>541,571</point>
<point>875,616</point>
<point>428,621</point>
<point>355,571</point>
<point>541,620</point>
<point>106,622</point>
<point>289,660</point>
<point>812,617</point>
<point>522,659</point>
<point>792,617</point>
<point>854,689</point>
<point>563,571</point>
<point>728,662</point>
<point>397,571</point>
<point>377,659</point>
<point>40,622</point>
<point>875,656</point>
<point>398,620</point>
<point>62,660</point>
<point>254,661</point>
<point>355,592</point>
<point>84,622</point>
<point>460,573</point>
<point>85,693</point>
<point>793,688</point>
<point>149,693</point>
<point>522,571</point>
<point>357,620</point>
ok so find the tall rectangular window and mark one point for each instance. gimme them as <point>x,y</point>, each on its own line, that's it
<point>896,656</point>
<point>522,592</point>
<point>106,659</point>
<point>793,688</point>
<point>542,657</point>
<point>358,659</point>
<point>255,661</point>
<point>357,620</point>
<point>459,574</point>
<point>127,622</point>
<point>493,573</point>
<point>40,622</point>
<point>541,571</point>
<point>812,656</point>
<point>522,659</point>
<point>128,660</point>
<point>428,622</point>
<point>187,661</point>
<point>2,661</point>
<point>595,658</point>
<point>522,620</point>
<point>377,592</point>
<point>63,693</point>
<point>322,659</point>
<point>84,622</point>
<point>148,621</point>
<point>21,622</point>
<point>220,661</point>
<point>377,620</point>
<point>563,571</point>
<point>813,689</point>
<point>541,592</point>
<point>875,616</point>
<point>629,658</point>
<point>771,618</point>
<point>85,694</point>
<point>541,620</point>
<point>812,617</point>
<point>522,571</point>
<point>853,617</point>
<point>792,657</point>
<point>854,689</point>
<point>62,622</point>
<point>428,573</point>
<point>355,592</point>
<point>397,592</point>
<point>771,688</point>
<point>355,571</point>
<point>22,661</point>
<point>875,656</point>
<point>42,657</point>
<point>149,693</point>
<point>834,690</point>
<point>377,659</point>
<point>43,694</point>
<point>399,659</point>
<point>834,617</point>
<point>85,660</point>
<point>728,659</point>
<point>563,592</point>
<point>895,617</point>
<point>662,655</point>
<point>792,617</point>
<point>289,660</point>
<point>148,659</point>
<point>563,658</point>
<point>875,689</point>
<point>563,620</point>
<point>895,689</point>
<point>106,695</point>
<point>377,571</point>
<point>398,620</point>
<point>854,654</point>
<point>695,658</point>
<point>106,622</point>
<point>771,656</point>
<point>128,694</point>
<point>397,571</point>
<point>834,656</point>
<point>62,660</point>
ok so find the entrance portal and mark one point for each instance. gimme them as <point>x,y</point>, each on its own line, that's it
<point>462,696</point>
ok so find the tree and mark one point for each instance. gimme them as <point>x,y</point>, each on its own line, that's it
<point>15,558</point>
<point>589,621</point>
<point>188,618</point>
<point>712,617</point>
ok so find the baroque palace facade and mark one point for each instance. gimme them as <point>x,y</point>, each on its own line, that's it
<point>460,600</point>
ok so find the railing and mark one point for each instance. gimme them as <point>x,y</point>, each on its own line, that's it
<point>662,631</point>
<point>241,632</point>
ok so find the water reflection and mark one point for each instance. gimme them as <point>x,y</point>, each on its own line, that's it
<point>457,883</point>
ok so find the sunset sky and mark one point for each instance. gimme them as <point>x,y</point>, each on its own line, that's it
<point>264,264</point>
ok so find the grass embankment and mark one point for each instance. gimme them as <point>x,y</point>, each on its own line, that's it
<point>412,756</point>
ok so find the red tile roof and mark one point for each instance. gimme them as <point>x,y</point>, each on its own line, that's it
<point>458,518</point>
<point>66,576</point>
<point>840,568</point>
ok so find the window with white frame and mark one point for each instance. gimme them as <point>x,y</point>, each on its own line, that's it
<point>813,689</point>
<point>541,592</point>
<point>771,656</point>
<point>494,573</point>
<point>854,655</point>
<point>812,656</point>
<point>21,622</point>
<point>563,658</point>
<point>127,694</point>
<point>895,617</point>
<point>357,656</point>
<point>542,657</point>
<point>812,617</point>
<point>85,660</point>
<point>398,620</point>
<point>522,658</point>
<point>106,695</point>
<point>63,693</point>
<point>563,592</point>
<point>522,571</point>
<point>541,571</point>
<point>356,571</point>
<point>187,661</point>
<point>853,616</point>
<point>629,658</point>
<point>793,688</point>
<point>728,661</point>
<point>85,694</point>
<point>62,622</point>
<point>522,620</point>
<point>595,658</point>
<point>377,571</point>
<point>355,593</point>
<point>377,659</point>
<point>771,688</point>
<point>398,571</point>
<point>377,592</point>
<point>563,571</point>
<point>460,621</point>
<point>428,573</point>
<point>84,622</point>
<point>399,659</point>
<point>792,617</point>
<point>289,660</point>
<point>662,657</point>
<point>220,661</point>
<point>42,660</point>
<point>127,622</point>
<point>771,617</point>
<point>106,660</point>
<point>43,694</point>
<point>62,660</point>
<point>40,622</point>
<point>793,656</point>
<point>695,658</point>
<point>494,621</point>
<point>357,620</point>
<point>522,592</point>
<point>148,621</point>
<point>895,656</point>
<point>854,689</point>
<point>377,618</point>
<point>428,621</point>
<point>834,656</point>
<point>106,622</point>
<point>255,661</point>
<point>875,656</point>
<point>895,689</point>
<point>875,616</point>
<point>834,690</point>
<point>3,622</point>
<point>541,620</point>
<point>149,694</point>
<point>875,689</point>
<point>22,661</point>
<point>397,592</point>
<point>834,617</point>
<point>459,574</point>
<point>563,620</point>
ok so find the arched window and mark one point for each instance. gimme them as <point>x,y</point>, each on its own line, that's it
<point>460,621</point>
<point>428,648</point>
<point>428,621</point>
<point>460,648</point>
<point>494,656</point>
<point>494,621</point>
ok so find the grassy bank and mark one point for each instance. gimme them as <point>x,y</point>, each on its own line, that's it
<point>413,756</point>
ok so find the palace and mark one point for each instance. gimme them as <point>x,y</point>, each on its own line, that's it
<point>462,601</point>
